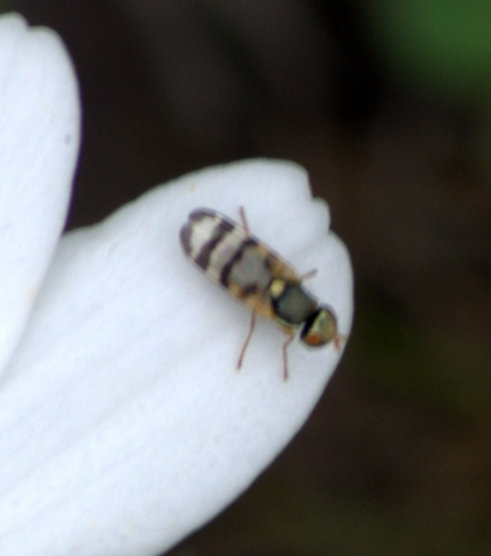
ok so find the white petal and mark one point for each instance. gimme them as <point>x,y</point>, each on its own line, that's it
<point>125,424</point>
<point>39,136</point>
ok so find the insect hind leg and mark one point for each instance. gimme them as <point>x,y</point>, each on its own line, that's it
<point>247,340</point>
<point>243,220</point>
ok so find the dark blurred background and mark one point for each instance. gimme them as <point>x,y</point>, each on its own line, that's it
<point>388,106</point>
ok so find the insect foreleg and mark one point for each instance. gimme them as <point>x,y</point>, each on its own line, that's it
<point>286,343</point>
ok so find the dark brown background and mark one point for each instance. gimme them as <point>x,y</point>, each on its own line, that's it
<point>389,110</point>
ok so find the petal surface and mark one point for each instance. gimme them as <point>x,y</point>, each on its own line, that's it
<point>125,425</point>
<point>39,138</point>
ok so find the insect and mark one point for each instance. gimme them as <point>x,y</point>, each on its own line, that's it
<point>255,274</point>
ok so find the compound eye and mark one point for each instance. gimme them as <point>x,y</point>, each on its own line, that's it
<point>320,328</point>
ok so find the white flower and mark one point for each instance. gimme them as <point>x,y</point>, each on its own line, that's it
<point>123,422</point>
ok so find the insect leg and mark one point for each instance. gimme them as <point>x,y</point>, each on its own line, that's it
<point>286,343</point>
<point>339,340</point>
<point>243,220</point>
<point>309,274</point>
<point>246,343</point>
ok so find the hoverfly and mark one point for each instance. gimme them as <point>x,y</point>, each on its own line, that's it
<point>255,274</point>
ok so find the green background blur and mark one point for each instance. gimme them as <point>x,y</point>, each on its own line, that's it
<point>388,106</point>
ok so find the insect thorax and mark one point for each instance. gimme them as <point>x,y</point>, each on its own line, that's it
<point>291,303</point>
